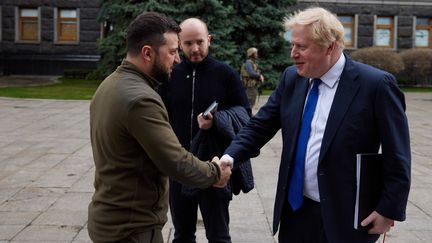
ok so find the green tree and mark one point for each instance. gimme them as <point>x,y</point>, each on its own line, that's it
<point>115,15</point>
<point>260,24</point>
<point>217,16</point>
<point>234,25</point>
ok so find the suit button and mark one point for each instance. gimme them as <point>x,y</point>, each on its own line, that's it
<point>321,174</point>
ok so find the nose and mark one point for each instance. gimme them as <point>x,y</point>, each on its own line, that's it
<point>294,52</point>
<point>195,47</point>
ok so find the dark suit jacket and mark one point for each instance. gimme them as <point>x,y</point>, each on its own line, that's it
<point>368,110</point>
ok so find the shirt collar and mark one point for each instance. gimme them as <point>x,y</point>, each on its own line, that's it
<point>127,66</point>
<point>331,77</point>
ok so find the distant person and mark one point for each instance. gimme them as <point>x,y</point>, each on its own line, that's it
<point>330,108</point>
<point>251,75</point>
<point>134,147</point>
<point>195,83</point>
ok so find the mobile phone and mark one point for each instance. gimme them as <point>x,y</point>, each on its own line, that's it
<point>212,108</point>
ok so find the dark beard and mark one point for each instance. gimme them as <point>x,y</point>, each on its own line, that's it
<point>159,73</point>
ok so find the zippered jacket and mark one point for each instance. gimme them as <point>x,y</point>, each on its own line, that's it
<point>193,87</point>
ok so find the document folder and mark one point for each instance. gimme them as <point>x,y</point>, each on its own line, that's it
<point>369,186</point>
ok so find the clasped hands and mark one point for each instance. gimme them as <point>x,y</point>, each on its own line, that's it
<point>225,172</point>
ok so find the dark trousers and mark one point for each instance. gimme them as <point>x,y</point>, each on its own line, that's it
<point>302,226</point>
<point>252,93</point>
<point>184,210</point>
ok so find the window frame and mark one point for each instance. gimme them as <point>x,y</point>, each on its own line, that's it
<point>18,25</point>
<point>393,31</point>
<point>423,27</point>
<point>57,26</point>
<point>354,28</point>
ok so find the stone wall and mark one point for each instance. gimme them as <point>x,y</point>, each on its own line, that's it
<point>46,56</point>
<point>366,10</point>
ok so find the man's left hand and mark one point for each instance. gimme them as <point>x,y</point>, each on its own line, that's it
<point>380,223</point>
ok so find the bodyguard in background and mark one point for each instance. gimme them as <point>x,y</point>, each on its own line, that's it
<point>330,108</point>
<point>251,75</point>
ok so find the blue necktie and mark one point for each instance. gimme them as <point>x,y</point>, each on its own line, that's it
<point>295,191</point>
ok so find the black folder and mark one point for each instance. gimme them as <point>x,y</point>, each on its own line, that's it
<point>369,186</point>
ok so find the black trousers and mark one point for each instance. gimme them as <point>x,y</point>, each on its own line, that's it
<point>184,211</point>
<point>302,226</point>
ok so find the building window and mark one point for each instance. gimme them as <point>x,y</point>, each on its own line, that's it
<point>423,32</point>
<point>66,26</point>
<point>349,24</point>
<point>384,32</point>
<point>287,36</point>
<point>28,25</point>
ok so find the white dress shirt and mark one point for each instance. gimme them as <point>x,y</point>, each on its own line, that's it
<point>327,90</point>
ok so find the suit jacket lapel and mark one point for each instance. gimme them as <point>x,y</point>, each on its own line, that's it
<point>345,93</point>
<point>296,103</point>
<point>294,113</point>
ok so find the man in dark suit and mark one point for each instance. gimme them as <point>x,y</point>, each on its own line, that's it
<point>330,108</point>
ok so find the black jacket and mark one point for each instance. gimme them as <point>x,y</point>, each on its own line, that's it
<point>193,87</point>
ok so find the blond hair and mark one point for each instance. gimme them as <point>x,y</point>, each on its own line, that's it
<point>325,26</point>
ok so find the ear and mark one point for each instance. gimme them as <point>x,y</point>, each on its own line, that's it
<point>209,37</point>
<point>180,45</point>
<point>331,48</point>
<point>147,53</point>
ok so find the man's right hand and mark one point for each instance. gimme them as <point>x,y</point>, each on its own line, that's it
<point>225,169</point>
<point>203,123</point>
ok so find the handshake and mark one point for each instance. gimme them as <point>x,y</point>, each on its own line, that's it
<point>225,167</point>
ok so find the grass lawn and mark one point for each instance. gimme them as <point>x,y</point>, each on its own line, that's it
<point>417,89</point>
<point>78,89</point>
<point>67,89</point>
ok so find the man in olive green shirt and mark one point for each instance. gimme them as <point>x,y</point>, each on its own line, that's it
<point>134,147</point>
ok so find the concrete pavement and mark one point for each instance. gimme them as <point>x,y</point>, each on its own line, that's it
<point>47,172</point>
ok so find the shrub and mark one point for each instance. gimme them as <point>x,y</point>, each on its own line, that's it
<point>382,58</point>
<point>418,66</point>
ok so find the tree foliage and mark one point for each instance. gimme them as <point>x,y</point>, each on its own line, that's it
<point>234,25</point>
<point>418,63</point>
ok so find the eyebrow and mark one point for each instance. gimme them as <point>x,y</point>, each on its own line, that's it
<point>194,40</point>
